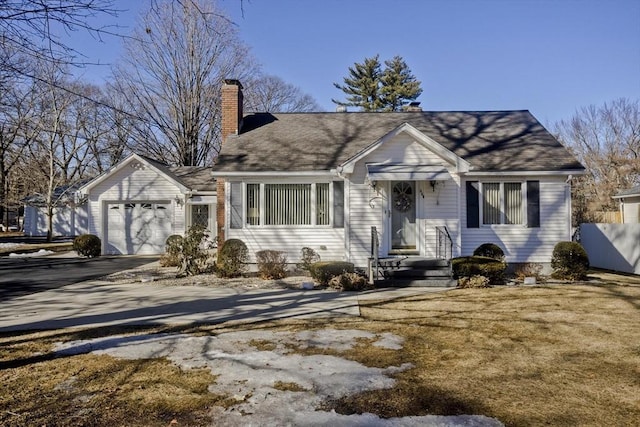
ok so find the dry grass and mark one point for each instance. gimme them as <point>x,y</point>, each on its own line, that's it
<point>563,355</point>
<point>556,355</point>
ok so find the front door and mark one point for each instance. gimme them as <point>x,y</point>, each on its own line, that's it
<point>403,216</point>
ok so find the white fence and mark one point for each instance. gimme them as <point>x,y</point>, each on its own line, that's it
<point>67,221</point>
<point>612,246</point>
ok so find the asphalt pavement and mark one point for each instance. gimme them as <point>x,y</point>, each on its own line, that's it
<point>28,275</point>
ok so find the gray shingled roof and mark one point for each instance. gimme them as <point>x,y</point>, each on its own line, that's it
<point>489,141</point>
<point>199,178</point>
<point>635,191</point>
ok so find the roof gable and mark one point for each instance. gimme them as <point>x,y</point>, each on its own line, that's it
<point>422,139</point>
<point>132,161</point>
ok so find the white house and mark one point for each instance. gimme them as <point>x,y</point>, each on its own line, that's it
<point>140,202</point>
<point>328,180</point>
<point>629,205</point>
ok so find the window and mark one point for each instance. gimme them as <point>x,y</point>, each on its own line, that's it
<point>492,203</point>
<point>502,203</point>
<point>253,204</point>
<point>292,204</point>
<point>200,215</point>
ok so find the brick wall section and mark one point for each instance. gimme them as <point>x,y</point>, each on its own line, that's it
<point>232,113</point>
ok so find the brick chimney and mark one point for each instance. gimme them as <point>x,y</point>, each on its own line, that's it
<point>232,99</point>
<point>413,107</point>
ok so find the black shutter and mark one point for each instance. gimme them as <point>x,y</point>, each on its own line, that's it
<point>236,204</point>
<point>338,204</point>
<point>473,205</point>
<point>533,204</point>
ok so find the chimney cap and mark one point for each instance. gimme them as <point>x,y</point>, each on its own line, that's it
<point>233,82</point>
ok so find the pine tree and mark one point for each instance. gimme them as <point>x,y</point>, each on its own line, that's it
<point>399,86</point>
<point>373,89</point>
<point>362,86</point>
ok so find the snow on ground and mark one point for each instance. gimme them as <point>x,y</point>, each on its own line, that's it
<point>248,365</point>
<point>8,245</point>
<point>41,252</point>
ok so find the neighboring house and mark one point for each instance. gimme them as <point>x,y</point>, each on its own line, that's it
<point>327,180</point>
<point>140,202</point>
<point>629,205</point>
<point>69,214</point>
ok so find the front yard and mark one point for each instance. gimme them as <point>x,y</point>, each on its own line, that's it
<point>559,355</point>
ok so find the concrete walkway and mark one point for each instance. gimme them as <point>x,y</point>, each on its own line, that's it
<point>94,304</point>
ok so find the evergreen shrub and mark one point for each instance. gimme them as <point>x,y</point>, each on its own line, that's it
<point>490,250</point>
<point>233,256</point>
<point>470,266</point>
<point>87,245</point>
<point>569,261</point>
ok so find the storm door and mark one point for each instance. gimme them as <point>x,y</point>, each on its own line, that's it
<point>403,216</point>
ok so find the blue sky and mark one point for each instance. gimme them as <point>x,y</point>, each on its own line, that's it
<point>550,57</point>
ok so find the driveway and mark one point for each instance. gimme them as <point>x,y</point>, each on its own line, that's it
<point>23,276</point>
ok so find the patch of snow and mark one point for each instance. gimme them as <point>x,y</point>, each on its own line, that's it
<point>248,373</point>
<point>41,252</point>
<point>8,245</point>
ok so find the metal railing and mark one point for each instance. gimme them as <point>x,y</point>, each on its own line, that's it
<point>374,259</point>
<point>444,243</point>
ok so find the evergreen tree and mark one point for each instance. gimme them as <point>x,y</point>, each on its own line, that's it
<point>399,86</point>
<point>362,86</point>
<point>372,89</point>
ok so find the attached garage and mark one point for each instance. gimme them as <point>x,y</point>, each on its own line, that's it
<point>140,202</point>
<point>137,227</point>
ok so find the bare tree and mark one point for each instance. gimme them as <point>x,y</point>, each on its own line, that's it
<point>17,111</point>
<point>606,140</point>
<point>172,75</point>
<point>61,153</point>
<point>272,94</point>
<point>33,28</point>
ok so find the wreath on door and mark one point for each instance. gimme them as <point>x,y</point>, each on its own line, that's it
<point>403,197</point>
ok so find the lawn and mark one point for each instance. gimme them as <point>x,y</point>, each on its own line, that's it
<point>561,355</point>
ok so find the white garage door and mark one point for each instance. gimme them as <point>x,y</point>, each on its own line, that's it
<point>137,228</point>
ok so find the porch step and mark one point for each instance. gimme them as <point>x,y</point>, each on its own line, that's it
<point>415,271</point>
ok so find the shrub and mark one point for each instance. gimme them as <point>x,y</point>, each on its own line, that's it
<point>471,266</point>
<point>323,271</point>
<point>569,261</point>
<point>173,250</point>
<point>473,282</point>
<point>307,257</point>
<point>489,250</point>
<point>192,251</point>
<point>529,269</point>
<point>87,245</point>
<point>232,258</point>
<point>349,282</point>
<point>271,264</point>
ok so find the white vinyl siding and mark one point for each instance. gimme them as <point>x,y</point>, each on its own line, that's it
<point>522,243</point>
<point>139,184</point>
